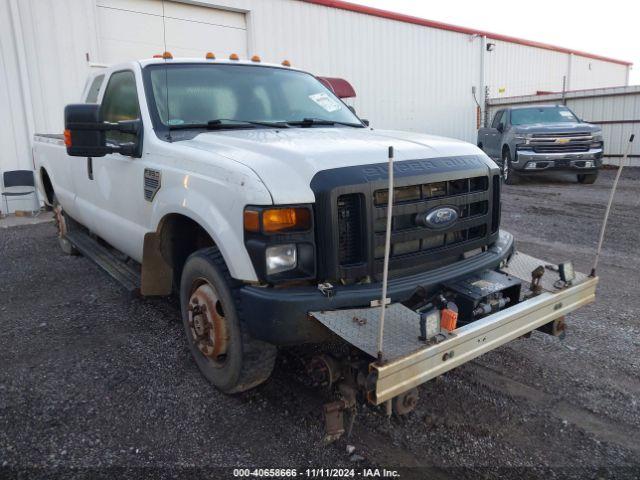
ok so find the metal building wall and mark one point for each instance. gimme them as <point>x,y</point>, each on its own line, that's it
<point>616,110</point>
<point>514,69</point>
<point>43,66</point>
<point>407,76</point>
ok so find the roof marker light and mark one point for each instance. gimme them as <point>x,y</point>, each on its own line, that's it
<point>167,56</point>
<point>210,56</point>
<point>255,58</point>
<point>234,56</point>
<point>286,63</point>
<point>157,55</point>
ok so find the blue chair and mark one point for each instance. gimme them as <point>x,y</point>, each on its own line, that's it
<point>14,182</point>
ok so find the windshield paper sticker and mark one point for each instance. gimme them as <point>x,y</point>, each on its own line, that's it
<point>566,113</point>
<point>325,101</point>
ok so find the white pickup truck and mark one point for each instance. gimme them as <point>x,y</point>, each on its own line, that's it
<point>261,199</point>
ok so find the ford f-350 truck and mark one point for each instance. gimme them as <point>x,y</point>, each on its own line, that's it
<point>260,198</point>
<point>531,139</point>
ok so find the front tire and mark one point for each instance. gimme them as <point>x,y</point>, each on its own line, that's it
<point>509,175</point>
<point>224,351</point>
<point>587,178</point>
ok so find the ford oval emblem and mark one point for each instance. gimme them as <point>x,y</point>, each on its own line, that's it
<point>440,217</point>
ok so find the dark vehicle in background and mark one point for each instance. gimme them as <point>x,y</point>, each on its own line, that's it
<point>531,139</point>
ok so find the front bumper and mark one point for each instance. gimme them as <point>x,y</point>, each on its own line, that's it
<point>574,161</point>
<point>472,340</point>
<point>281,315</point>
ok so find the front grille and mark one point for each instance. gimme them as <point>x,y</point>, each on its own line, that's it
<point>565,134</point>
<point>561,148</point>
<point>561,142</point>
<point>351,229</point>
<point>413,245</point>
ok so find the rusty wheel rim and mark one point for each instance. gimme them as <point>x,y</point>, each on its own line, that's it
<point>207,323</point>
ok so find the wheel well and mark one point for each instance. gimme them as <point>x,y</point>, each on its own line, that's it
<point>180,236</point>
<point>47,185</point>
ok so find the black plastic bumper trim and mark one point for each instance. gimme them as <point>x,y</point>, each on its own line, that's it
<point>280,315</point>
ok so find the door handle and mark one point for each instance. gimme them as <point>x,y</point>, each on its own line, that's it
<point>90,168</point>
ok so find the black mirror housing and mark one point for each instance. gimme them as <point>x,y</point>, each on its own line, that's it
<point>500,127</point>
<point>84,135</point>
<point>365,122</point>
<point>85,132</point>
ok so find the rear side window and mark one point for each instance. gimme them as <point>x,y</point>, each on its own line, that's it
<point>120,102</point>
<point>94,89</point>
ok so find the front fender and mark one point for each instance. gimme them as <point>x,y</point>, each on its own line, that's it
<point>217,206</point>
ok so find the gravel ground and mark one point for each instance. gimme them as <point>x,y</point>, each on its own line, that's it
<point>95,382</point>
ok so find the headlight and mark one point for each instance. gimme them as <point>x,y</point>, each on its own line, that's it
<point>281,258</point>
<point>523,137</point>
<point>597,140</point>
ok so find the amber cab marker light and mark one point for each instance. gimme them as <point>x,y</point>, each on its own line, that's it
<point>280,219</point>
<point>251,221</point>
<point>255,58</point>
<point>167,56</point>
<point>67,137</point>
<point>234,56</point>
<point>286,63</point>
<point>210,56</point>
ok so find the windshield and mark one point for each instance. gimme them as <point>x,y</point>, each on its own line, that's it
<point>199,94</point>
<point>525,116</point>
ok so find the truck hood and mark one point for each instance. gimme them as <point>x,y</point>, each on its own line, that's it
<point>286,160</point>
<point>562,127</point>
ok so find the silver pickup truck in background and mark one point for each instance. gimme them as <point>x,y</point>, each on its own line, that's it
<point>531,139</point>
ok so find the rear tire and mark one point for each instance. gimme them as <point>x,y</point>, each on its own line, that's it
<point>219,342</point>
<point>587,178</point>
<point>63,224</point>
<point>509,175</point>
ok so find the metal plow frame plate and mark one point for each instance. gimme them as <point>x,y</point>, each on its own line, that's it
<point>479,337</point>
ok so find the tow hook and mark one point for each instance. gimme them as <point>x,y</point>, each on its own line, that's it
<point>536,281</point>
<point>326,289</point>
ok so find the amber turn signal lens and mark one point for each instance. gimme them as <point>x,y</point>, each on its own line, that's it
<point>67,137</point>
<point>210,56</point>
<point>283,219</point>
<point>251,221</point>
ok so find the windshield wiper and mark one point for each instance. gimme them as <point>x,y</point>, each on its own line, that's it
<point>228,123</point>
<point>309,122</point>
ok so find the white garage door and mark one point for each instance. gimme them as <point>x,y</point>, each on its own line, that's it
<point>133,29</point>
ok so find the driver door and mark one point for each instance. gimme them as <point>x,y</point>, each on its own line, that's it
<point>120,209</point>
<point>492,141</point>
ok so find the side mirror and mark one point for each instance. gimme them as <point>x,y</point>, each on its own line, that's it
<point>85,132</point>
<point>365,122</point>
<point>353,110</point>
<point>500,127</point>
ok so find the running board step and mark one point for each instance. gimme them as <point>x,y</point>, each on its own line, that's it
<point>124,274</point>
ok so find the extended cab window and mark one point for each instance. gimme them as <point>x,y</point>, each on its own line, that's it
<point>120,102</point>
<point>94,89</point>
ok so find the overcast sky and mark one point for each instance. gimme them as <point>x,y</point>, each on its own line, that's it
<point>610,28</point>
